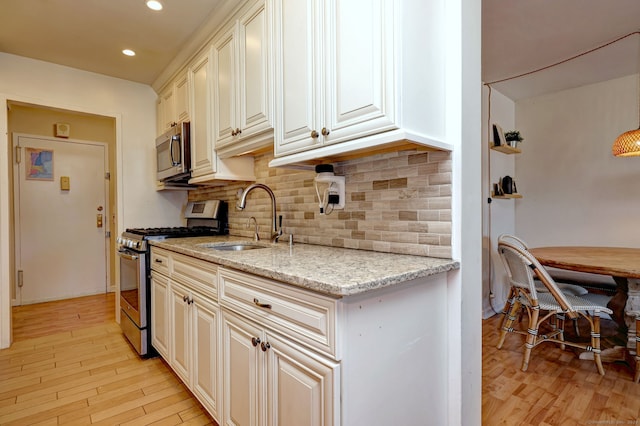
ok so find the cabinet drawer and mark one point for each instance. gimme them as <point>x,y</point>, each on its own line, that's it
<point>305,317</point>
<point>160,260</point>
<point>197,274</point>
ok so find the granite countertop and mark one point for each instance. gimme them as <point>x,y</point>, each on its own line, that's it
<point>332,271</point>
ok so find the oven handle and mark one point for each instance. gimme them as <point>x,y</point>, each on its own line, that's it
<point>127,256</point>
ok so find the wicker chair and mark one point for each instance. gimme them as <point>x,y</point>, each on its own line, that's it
<point>568,289</point>
<point>636,315</point>
<point>543,307</point>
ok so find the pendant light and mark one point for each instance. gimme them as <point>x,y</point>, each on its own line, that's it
<point>628,143</point>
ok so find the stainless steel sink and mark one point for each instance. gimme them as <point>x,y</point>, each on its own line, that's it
<point>233,246</point>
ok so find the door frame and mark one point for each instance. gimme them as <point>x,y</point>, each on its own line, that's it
<point>16,209</point>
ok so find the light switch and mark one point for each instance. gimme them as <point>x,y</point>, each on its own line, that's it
<point>65,184</point>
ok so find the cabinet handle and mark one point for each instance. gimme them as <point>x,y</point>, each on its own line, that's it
<point>184,298</point>
<point>238,131</point>
<point>314,134</point>
<point>233,133</point>
<point>190,301</point>
<point>325,131</point>
<point>261,305</point>
<point>158,260</point>
<point>255,341</point>
<point>265,346</point>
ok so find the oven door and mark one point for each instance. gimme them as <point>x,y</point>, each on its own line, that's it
<point>133,289</point>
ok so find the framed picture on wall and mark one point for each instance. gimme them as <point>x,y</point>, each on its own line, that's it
<point>39,164</point>
<point>498,136</point>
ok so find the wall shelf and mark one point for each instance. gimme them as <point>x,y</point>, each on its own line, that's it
<point>505,196</point>
<point>505,149</point>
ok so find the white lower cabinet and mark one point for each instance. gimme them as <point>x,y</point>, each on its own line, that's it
<point>259,352</point>
<point>185,325</point>
<point>206,353</point>
<point>194,346</point>
<point>270,381</point>
<point>160,314</point>
<point>180,323</point>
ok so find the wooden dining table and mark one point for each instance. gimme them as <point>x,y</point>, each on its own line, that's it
<point>621,263</point>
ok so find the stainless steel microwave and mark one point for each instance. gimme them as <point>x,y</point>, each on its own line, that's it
<point>173,154</point>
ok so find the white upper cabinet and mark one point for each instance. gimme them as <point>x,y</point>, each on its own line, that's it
<point>242,87</point>
<point>172,105</point>
<point>332,70</point>
<point>181,94</point>
<point>358,73</point>
<point>165,110</point>
<point>206,165</point>
<point>202,161</point>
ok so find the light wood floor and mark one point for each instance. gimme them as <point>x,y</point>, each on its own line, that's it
<point>70,365</point>
<point>557,389</point>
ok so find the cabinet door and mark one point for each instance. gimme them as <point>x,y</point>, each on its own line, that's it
<point>224,82</point>
<point>201,145</point>
<point>298,74</point>
<point>242,372</point>
<point>359,60</point>
<point>159,116</point>
<point>168,108</point>
<point>180,351</point>
<point>181,90</point>
<point>254,87</point>
<point>302,390</point>
<point>205,353</point>
<point>160,314</point>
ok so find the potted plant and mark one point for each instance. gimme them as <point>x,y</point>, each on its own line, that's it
<point>513,137</point>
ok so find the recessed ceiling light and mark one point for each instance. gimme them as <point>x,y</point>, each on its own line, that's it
<point>129,52</point>
<point>154,5</point>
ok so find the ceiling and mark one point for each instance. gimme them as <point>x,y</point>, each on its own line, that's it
<point>518,36</point>
<point>91,34</point>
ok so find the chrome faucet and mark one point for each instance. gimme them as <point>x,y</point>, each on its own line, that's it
<point>275,232</point>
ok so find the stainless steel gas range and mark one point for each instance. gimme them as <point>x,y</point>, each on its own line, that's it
<point>203,218</point>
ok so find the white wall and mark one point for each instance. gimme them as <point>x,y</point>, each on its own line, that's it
<point>499,215</point>
<point>463,116</point>
<point>575,191</point>
<point>133,106</point>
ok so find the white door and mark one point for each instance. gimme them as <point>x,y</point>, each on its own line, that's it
<point>61,244</point>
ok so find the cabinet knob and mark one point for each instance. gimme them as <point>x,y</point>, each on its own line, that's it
<point>233,133</point>
<point>265,346</point>
<point>238,131</point>
<point>325,131</point>
<point>255,341</point>
<point>184,298</point>
<point>314,134</point>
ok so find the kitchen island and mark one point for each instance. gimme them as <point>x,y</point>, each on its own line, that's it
<point>303,334</point>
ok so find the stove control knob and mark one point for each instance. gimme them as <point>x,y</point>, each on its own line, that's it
<point>138,244</point>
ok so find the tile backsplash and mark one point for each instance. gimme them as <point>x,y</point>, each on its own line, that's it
<point>396,202</point>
